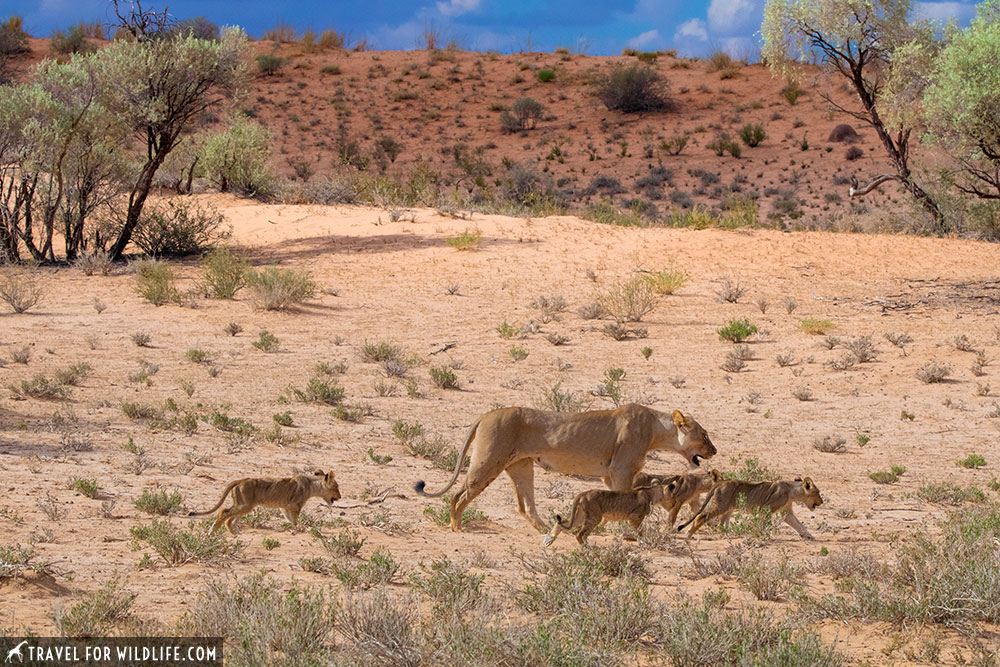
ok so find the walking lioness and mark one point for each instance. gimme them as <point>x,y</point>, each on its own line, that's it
<point>591,508</point>
<point>725,497</point>
<point>288,494</point>
<point>610,444</point>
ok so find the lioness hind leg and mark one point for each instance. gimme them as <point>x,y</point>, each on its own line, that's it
<point>522,476</point>
<point>233,514</point>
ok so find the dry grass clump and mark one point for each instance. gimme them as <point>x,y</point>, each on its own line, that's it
<point>815,326</point>
<point>95,262</point>
<point>666,281</point>
<point>730,291</point>
<point>272,288</point>
<point>628,300</point>
<point>932,372</point>
<point>21,290</point>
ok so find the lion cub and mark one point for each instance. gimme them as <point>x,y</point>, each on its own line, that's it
<point>591,508</point>
<point>724,497</point>
<point>289,494</point>
<point>687,489</point>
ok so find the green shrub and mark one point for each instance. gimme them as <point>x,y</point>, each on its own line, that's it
<point>752,134</point>
<point>238,158</point>
<point>450,586</point>
<point>666,281</point>
<point>85,487</point>
<point>441,515</point>
<point>196,356</point>
<point>883,477</point>
<point>179,228</point>
<point>791,92</point>
<point>972,461</point>
<point>443,377</point>
<point>40,387</point>
<point>13,39</point>
<point>159,501</point>
<point>73,375</point>
<point>272,288</point>
<point>546,75</point>
<point>467,240</point>
<point>319,391</point>
<point>97,614</point>
<point>628,300</point>
<point>269,64</point>
<point>155,282</point>
<point>723,144</point>
<point>73,40</point>
<point>946,493</point>
<point>524,114</point>
<point>737,331</point>
<point>176,546</point>
<point>266,342</point>
<point>225,272</point>
<point>632,88</point>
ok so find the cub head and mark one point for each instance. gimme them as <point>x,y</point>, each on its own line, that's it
<point>811,498</point>
<point>329,491</point>
<point>694,441</point>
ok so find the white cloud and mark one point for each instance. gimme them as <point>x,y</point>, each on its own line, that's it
<point>942,11</point>
<point>457,7</point>
<point>695,28</point>
<point>730,17</point>
<point>644,40</point>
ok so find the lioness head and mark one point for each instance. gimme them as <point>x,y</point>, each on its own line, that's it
<point>330,490</point>
<point>812,498</point>
<point>694,440</point>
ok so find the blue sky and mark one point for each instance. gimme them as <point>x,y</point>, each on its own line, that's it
<point>589,26</point>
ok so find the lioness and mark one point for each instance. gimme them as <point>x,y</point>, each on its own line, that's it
<point>724,497</point>
<point>591,508</point>
<point>687,489</point>
<point>289,494</point>
<point>611,444</point>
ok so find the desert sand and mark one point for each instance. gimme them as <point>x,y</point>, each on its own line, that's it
<point>392,281</point>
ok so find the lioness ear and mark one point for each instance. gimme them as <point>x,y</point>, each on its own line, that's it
<point>319,473</point>
<point>716,476</point>
<point>807,484</point>
<point>672,487</point>
<point>680,421</point>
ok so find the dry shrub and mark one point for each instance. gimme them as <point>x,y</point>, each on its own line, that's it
<point>272,288</point>
<point>628,300</point>
<point>21,290</point>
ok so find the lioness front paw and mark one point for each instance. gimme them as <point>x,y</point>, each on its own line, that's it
<point>547,540</point>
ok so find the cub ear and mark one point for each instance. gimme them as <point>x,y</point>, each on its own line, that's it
<point>319,473</point>
<point>680,421</point>
<point>807,484</point>
<point>716,476</point>
<point>672,487</point>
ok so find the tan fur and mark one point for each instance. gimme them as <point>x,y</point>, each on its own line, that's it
<point>610,444</point>
<point>288,494</point>
<point>686,489</point>
<point>591,508</point>
<point>724,498</point>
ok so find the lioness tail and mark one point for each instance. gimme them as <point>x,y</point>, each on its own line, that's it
<point>229,487</point>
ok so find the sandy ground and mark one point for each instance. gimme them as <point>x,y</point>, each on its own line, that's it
<point>389,281</point>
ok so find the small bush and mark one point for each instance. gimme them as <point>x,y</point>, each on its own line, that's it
<point>450,586</point>
<point>176,546</point>
<point>269,64</point>
<point>40,387</point>
<point>155,282</point>
<point>238,158</point>
<point>632,88</point>
<point>266,342</point>
<point>830,444</point>
<point>85,487</point>
<point>159,501</point>
<point>97,262</point>
<point>179,228</point>
<point>675,144</point>
<point>815,326</point>
<point>97,614</point>
<point>72,41</point>
<point>443,377</point>
<point>524,114</point>
<point>22,291</point>
<point>381,351</point>
<point>546,75</point>
<point>723,144</point>
<point>853,153</point>
<point>730,291</point>
<point>752,135</point>
<point>74,374</point>
<point>972,461</point>
<point>196,356</point>
<point>441,515</point>
<point>666,281</point>
<point>279,289</point>
<point>737,331</point>
<point>628,301</point>
<point>932,372</point>
<point>225,272</point>
<point>467,240</point>
<point>883,477</point>
<point>319,391</point>
<point>946,493</point>
<point>791,92</point>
